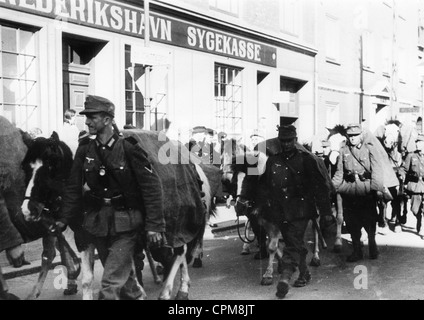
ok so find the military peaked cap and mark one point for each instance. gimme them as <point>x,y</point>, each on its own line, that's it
<point>199,129</point>
<point>353,129</point>
<point>287,132</point>
<point>95,104</point>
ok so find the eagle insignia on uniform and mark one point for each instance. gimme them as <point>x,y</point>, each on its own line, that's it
<point>89,159</point>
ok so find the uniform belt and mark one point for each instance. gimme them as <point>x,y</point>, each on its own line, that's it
<point>116,201</point>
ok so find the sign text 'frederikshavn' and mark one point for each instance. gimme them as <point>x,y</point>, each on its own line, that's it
<point>111,16</point>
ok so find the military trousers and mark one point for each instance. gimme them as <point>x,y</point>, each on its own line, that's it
<point>295,251</point>
<point>360,212</point>
<point>116,253</point>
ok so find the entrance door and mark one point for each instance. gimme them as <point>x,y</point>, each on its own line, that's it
<point>77,55</point>
<point>75,88</point>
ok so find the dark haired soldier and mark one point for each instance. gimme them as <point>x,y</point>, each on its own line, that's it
<point>124,197</point>
<point>292,187</point>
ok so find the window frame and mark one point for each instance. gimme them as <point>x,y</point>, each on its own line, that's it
<point>21,111</point>
<point>228,113</point>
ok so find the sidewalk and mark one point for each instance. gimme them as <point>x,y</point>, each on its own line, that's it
<point>225,219</point>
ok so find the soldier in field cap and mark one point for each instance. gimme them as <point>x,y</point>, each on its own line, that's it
<point>96,104</point>
<point>294,184</point>
<point>359,179</point>
<point>123,201</point>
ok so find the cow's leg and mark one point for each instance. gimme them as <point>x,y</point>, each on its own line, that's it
<point>197,263</point>
<point>87,266</point>
<point>185,282</point>
<point>168,285</point>
<point>153,268</point>
<point>70,261</point>
<point>49,253</point>
<point>339,219</point>
<point>382,222</point>
<point>315,261</point>
<point>273,244</point>
<point>246,245</point>
<point>420,229</point>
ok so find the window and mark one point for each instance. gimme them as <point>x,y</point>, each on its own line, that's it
<point>332,114</point>
<point>367,50</point>
<point>290,16</point>
<point>332,39</point>
<point>387,56</point>
<point>227,6</point>
<point>134,95</point>
<point>228,99</point>
<point>18,76</point>
<point>402,64</point>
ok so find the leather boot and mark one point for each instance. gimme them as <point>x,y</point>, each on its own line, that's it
<point>304,274</point>
<point>373,249</point>
<point>283,284</point>
<point>357,253</point>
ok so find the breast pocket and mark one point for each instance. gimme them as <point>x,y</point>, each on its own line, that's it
<point>91,173</point>
<point>121,170</point>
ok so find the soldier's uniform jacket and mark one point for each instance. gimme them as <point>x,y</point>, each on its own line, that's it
<point>129,178</point>
<point>412,172</point>
<point>9,236</point>
<point>358,171</point>
<point>292,187</point>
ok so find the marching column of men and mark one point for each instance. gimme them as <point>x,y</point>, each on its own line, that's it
<point>293,186</point>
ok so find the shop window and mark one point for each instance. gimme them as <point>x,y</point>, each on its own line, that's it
<point>135,111</point>
<point>226,6</point>
<point>18,76</point>
<point>228,99</point>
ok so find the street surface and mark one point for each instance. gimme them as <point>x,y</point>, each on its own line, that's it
<point>227,275</point>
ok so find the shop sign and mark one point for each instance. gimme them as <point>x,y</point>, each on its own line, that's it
<point>409,110</point>
<point>117,17</point>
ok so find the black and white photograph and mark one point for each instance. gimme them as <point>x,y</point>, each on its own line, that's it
<point>218,154</point>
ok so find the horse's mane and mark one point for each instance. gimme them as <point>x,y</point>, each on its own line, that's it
<point>338,128</point>
<point>53,151</point>
<point>394,121</point>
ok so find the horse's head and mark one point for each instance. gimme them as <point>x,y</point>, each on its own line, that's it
<point>391,137</point>
<point>250,163</point>
<point>337,139</point>
<point>47,165</point>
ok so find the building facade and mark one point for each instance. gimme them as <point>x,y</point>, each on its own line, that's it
<point>368,62</point>
<point>233,66</point>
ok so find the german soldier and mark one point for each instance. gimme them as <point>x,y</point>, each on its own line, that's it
<point>292,187</point>
<point>124,197</point>
<point>359,179</point>
<point>412,173</point>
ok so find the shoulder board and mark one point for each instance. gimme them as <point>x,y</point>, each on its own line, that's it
<point>134,142</point>
<point>131,140</point>
<point>84,141</point>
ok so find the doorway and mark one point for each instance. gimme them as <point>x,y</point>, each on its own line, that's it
<point>77,55</point>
